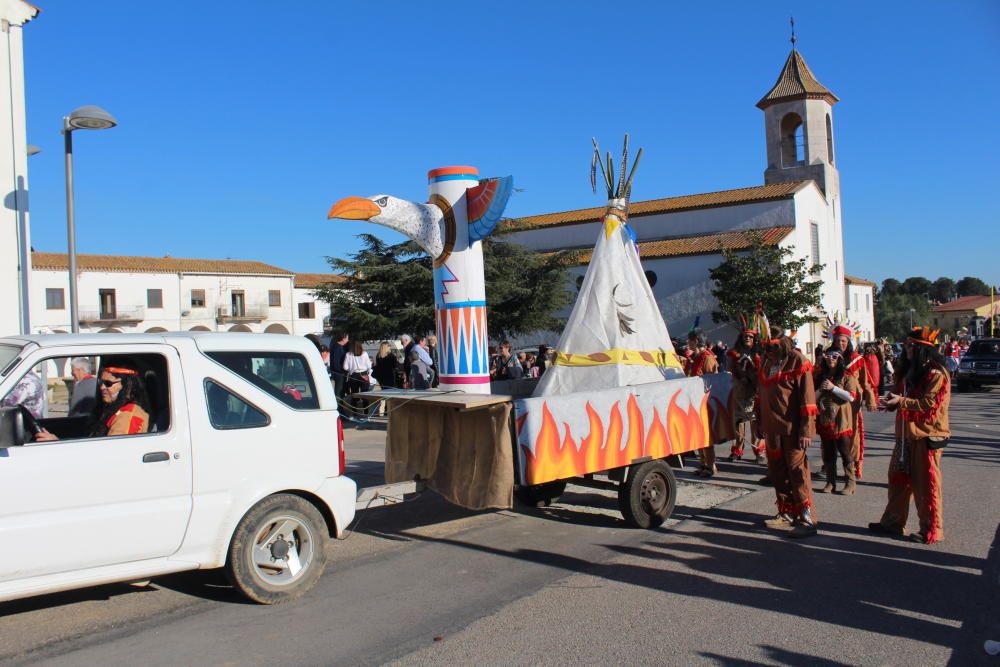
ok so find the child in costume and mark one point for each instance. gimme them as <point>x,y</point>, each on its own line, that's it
<point>836,392</point>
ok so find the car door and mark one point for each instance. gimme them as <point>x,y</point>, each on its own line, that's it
<point>81,503</point>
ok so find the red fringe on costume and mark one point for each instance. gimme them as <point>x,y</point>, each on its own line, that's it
<point>929,415</point>
<point>826,432</point>
<point>778,377</point>
<point>933,498</point>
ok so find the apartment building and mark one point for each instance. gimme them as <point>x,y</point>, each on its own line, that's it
<point>118,294</point>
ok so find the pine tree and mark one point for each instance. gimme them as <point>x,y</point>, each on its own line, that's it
<point>388,289</point>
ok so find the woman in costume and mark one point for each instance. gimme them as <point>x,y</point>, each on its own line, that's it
<point>921,401</point>
<point>788,420</point>
<point>835,394</point>
<point>743,361</point>
<point>841,333</point>
<point>700,362</point>
<point>124,408</point>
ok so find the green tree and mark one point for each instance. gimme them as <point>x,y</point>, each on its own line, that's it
<point>969,286</point>
<point>890,286</point>
<point>893,314</point>
<point>917,286</point>
<point>388,289</point>
<point>787,289</point>
<point>943,289</point>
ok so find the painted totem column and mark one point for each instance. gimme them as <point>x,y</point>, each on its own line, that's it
<point>461,211</point>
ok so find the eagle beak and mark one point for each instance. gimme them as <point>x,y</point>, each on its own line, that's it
<point>354,208</point>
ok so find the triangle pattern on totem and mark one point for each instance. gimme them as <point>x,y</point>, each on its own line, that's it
<point>615,335</point>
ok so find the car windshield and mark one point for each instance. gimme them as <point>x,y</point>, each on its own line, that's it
<point>7,354</point>
<point>990,347</point>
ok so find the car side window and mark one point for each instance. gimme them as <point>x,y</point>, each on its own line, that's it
<point>63,395</point>
<point>227,410</point>
<point>284,375</point>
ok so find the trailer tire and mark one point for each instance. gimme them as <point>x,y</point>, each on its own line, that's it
<point>540,495</point>
<point>648,495</point>
<point>269,566</point>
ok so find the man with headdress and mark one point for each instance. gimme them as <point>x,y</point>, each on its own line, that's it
<point>743,361</point>
<point>700,362</point>
<point>788,421</point>
<point>841,335</point>
<point>921,401</point>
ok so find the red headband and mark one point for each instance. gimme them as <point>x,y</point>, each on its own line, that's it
<point>120,371</point>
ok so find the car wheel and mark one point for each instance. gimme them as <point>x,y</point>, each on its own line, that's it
<point>648,495</point>
<point>278,550</point>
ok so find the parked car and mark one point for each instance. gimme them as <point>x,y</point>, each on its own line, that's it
<point>980,366</point>
<point>241,467</point>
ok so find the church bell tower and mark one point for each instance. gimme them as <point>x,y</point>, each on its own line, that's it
<point>798,121</point>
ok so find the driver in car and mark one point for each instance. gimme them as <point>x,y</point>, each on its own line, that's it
<point>124,404</point>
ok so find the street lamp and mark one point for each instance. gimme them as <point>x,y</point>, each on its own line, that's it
<point>911,318</point>
<point>84,118</point>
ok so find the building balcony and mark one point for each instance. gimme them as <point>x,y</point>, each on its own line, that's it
<point>121,315</point>
<point>247,314</point>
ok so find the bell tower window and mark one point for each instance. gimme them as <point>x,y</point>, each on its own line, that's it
<point>792,140</point>
<point>829,139</point>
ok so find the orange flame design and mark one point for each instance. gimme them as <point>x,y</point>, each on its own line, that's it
<point>559,456</point>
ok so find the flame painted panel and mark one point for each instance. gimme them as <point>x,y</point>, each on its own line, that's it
<point>559,437</point>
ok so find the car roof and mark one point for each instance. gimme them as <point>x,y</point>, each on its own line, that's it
<point>205,340</point>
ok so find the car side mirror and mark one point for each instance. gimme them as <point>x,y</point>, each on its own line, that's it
<point>12,432</point>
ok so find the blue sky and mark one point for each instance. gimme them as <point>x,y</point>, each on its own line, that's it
<point>242,122</point>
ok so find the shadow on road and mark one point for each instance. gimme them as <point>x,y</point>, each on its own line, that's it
<point>842,577</point>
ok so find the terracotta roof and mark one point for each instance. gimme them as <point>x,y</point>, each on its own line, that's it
<point>702,245</point>
<point>314,280</point>
<point>851,280</point>
<point>796,81</point>
<point>671,204</point>
<point>129,264</point>
<point>962,303</point>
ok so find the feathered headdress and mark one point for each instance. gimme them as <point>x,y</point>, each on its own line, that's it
<point>924,335</point>
<point>836,325</point>
<point>757,324</point>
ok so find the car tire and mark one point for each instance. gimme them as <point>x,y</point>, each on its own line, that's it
<point>278,550</point>
<point>647,496</point>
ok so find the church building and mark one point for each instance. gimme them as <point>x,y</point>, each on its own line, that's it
<point>798,207</point>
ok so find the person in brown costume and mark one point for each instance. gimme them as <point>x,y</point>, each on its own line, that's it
<point>743,360</point>
<point>788,421</point>
<point>700,362</point>
<point>836,391</point>
<point>921,401</point>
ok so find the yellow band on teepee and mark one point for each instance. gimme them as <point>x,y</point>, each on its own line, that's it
<point>660,358</point>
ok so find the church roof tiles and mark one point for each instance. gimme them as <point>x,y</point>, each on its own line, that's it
<point>706,244</point>
<point>758,193</point>
<point>796,81</point>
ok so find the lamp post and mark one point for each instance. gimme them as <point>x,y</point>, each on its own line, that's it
<point>84,118</point>
<point>911,318</point>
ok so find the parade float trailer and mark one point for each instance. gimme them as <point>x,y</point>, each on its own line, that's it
<point>613,410</point>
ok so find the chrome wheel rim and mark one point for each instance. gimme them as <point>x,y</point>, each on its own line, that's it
<point>282,550</point>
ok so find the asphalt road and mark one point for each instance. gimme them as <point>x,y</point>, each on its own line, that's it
<point>429,583</point>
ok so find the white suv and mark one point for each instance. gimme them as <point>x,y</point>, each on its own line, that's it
<point>240,464</point>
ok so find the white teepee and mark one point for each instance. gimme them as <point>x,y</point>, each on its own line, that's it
<point>615,336</point>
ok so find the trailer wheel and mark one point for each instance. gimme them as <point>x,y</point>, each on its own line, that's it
<point>647,496</point>
<point>540,495</point>
<point>278,551</point>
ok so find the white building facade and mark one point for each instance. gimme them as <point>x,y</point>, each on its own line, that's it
<point>798,207</point>
<point>15,238</point>
<point>123,294</point>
